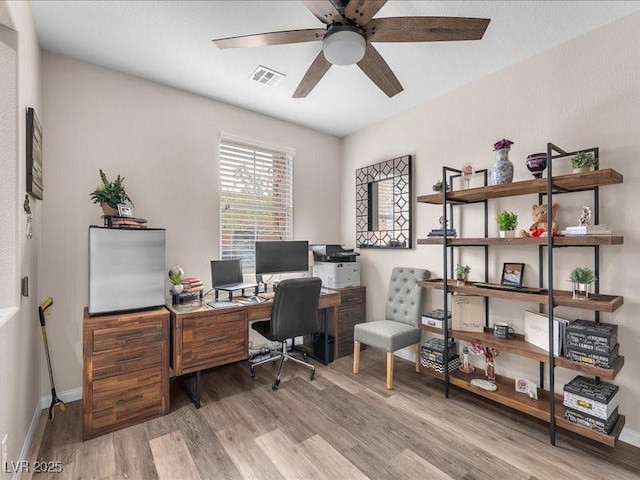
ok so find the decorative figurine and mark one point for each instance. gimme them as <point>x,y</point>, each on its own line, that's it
<point>585,216</point>
<point>539,227</point>
<point>490,368</point>
<point>467,173</point>
<point>466,366</point>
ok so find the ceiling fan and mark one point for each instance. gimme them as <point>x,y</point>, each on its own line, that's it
<point>348,36</point>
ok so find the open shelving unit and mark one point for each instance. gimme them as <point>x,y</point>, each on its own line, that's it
<point>548,406</point>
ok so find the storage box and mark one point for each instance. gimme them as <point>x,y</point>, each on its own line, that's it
<point>454,364</point>
<point>596,398</point>
<point>435,318</point>
<point>433,350</point>
<point>596,359</point>
<point>467,313</point>
<point>592,336</point>
<point>589,421</point>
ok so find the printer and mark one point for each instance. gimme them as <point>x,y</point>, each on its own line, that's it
<point>336,266</point>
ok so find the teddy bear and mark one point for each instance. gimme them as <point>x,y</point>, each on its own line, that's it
<point>539,227</point>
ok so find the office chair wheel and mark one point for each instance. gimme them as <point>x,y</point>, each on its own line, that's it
<point>312,375</point>
<point>275,385</point>
<point>253,372</point>
<point>305,356</point>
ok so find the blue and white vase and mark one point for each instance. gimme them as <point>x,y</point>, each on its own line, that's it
<point>502,169</point>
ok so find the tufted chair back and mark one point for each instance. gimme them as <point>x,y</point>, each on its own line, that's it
<point>404,300</point>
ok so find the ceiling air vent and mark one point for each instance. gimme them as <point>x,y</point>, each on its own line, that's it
<point>266,76</point>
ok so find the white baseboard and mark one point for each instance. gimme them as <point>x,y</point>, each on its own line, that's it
<point>630,436</point>
<point>67,396</point>
<point>26,446</point>
<point>627,436</point>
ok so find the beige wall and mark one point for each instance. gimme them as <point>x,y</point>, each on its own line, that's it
<point>582,94</point>
<point>164,141</point>
<point>20,344</point>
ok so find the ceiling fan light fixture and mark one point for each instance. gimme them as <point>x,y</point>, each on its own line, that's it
<point>344,45</point>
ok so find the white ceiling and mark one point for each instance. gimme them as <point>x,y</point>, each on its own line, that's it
<point>170,43</point>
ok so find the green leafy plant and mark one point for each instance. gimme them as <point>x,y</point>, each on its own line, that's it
<point>507,221</point>
<point>583,160</point>
<point>112,193</point>
<point>175,278</point>
<point>437,187</point>
<point>581,275</point>
<point>462,270</point>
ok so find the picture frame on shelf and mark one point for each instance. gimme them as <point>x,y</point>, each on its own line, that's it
<point>125,210</point>
<point>512,274</point>
<point>34,155</point>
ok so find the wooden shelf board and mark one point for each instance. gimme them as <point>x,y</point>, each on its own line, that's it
<point>601,303</point>
<point>506,395</point>
<point>519,346</point>
<point>562,241</point>
<point>570,182</point>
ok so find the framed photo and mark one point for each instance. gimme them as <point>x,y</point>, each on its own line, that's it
<point>512,274</point>
<point>124,210</point>
<point>34,155</point>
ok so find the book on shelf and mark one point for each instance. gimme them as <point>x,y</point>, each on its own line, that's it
<point>587,230</point>
<point>439,232</point>
<point>536,331</point>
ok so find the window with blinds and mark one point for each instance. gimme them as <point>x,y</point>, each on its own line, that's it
<point>256,199</point>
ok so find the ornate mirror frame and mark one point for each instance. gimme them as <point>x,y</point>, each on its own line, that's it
<point>371,215</point>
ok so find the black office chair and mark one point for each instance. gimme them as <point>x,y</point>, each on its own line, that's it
<point>294,314</point>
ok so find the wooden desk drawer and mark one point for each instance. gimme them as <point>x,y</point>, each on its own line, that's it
<point>352,296</point>
<point>211,341</point>
<point>126,399</point>
<point>124,360</point>
<point>351,315</point>
<point>136,334</point>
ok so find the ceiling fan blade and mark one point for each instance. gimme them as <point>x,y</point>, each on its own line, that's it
<point>325,11</point>
<point>425,29</point>
<point>361,11</point>
<point>374,66</point>
<point>272,38</point>
<point>316,71</point>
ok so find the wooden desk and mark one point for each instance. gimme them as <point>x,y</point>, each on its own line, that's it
<point>203,337</point>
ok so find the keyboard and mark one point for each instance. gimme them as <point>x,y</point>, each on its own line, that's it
<point>510,288</point>
<point>267,296</point>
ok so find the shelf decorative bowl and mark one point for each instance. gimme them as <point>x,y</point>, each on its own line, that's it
<point>537,163</point>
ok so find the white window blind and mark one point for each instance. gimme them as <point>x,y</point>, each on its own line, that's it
<point>256,198</point>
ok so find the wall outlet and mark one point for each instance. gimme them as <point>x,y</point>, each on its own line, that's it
<point>4,454</point>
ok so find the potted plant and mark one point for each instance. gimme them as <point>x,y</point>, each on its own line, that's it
<point>507,223</point>
<point>175,277</point>
<point>583,162</point>
<point>437,187</point>
<point>462,273</point>
<point>110,194</point>
<point>581,279</point>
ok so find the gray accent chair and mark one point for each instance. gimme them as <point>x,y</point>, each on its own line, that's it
<point>402,325</point>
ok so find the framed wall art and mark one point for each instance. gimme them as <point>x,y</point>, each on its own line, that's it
<point>34,155</point>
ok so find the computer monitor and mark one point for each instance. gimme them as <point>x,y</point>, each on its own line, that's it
<point>282,256</point>
<point>226,272</point>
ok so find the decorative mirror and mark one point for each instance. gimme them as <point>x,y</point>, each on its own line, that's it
<point>383,204</point>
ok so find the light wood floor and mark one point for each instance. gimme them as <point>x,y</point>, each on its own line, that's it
<point>340,426</point>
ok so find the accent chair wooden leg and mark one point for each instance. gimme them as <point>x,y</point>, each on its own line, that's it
<point>356,357</point>
<point>390,370</point>
<point>418,357</point>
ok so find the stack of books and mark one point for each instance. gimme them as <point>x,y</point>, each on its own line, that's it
<point>126,222</point>
<point>439,232</point>
<point>587,230</point>
<point>192,285</point>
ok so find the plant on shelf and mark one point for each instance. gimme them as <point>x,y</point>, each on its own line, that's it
<point>110,194</point>
<point>583,162</point>
<point>462,273</point>
<point>175,277</point>
<point>581,279</point>
<point>507,223</point>
<point>437,187</point>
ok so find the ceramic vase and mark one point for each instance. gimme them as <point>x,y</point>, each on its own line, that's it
<point>536,163</point>
<point>502,168</point>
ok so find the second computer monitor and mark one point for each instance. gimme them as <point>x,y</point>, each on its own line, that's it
<point>282,256</point>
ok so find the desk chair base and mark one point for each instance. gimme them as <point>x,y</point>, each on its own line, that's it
<point>283,355</point>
